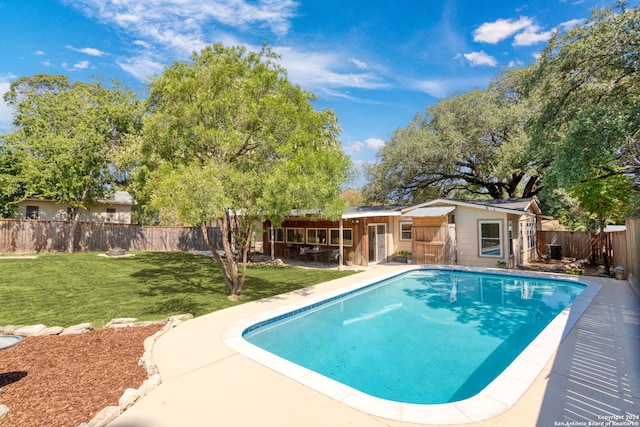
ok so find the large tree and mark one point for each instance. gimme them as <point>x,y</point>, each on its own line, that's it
<point>468,145</point>
<point>66,136</point>
<point>589,79</point>
<point>230,140</point>
<point>607,199</point>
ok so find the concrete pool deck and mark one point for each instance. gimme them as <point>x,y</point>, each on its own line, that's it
<point>593,376</point>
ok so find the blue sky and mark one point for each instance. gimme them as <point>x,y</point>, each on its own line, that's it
<point>376,63</point>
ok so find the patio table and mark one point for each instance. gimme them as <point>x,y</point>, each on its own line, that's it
<point>316,252</point>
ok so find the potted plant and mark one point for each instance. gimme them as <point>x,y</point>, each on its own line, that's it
<point>350,257</point>
<point>501,264</point>
<point>401,256</point>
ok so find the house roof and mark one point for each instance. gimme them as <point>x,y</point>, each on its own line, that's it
<point>432,211</point>
<point>369,211</point>
<point>117,198</point>
<point>436,207</point>
<point>614,228</point>
<point>510,206</point>
<point>120,198</point>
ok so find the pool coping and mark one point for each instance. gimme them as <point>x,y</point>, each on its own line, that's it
<point>500,395</point>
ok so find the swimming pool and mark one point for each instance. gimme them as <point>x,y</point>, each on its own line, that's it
<point>428,338</point>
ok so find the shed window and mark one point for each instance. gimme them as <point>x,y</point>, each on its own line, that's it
<point>295,235</point>
<point>531,235</point>
<point>347,237</point>
<point>317,236</point>
<point>111,214</point>
<point>405,230</point>
<point>490,238</point>
<point>276,235</point>
<point>33,212</point>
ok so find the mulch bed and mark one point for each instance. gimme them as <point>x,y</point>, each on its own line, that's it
<point>63,381</point>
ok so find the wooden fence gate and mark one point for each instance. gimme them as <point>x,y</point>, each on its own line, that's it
<point>432,245</point>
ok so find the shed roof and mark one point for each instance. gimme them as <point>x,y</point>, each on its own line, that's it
<point>369,211</point>
<point>510,206</point>
<point>433,211</point>
<point>120,198</point>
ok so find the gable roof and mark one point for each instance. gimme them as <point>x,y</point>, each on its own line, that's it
<point>120,198</point>
<point>117,198</point>
<point>510,206</point>
<point>369,211</point>
<point>430,211</point>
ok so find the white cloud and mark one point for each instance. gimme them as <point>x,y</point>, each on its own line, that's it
<point>173,29</point>
<point>142,43</point>
<point>141,68</point>
<point>480,58</point>
<point>434,87</point>
<point>6,112</point>
<point>374,143</point>
<point>531,35</point>
<point>87,50</point>
<point>166,30</point>
<point>494,32</point>
<point>81,65</point>
<point>360,64</point>
<point>168,19</point>
<point>357,146</point>
<point>325,71</point>
<point>515,63</point>
<point>126,18</point>
<point>568,25</point>
<point>439,88</point>
<point>40,52</point>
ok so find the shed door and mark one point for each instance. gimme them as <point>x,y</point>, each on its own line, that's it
<point>377,243</point>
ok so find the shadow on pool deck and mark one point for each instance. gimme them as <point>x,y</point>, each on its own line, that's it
<point>594,374</point>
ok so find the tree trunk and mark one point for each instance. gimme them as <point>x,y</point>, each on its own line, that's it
<point>71,241</point>
<point>531,188</point>
<point>603,247</point>
<point>229,263</point>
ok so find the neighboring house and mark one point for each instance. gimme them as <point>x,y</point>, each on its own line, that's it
<point>115,210</point>
<point>441,231</point>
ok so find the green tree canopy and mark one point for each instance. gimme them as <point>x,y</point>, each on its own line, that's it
<point>471,144</point>
<point>589,79</point>
<point>607,199</point>
<point>66,138</point>
<point>229,139</point>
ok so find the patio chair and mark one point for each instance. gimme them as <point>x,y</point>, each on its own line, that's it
<point>334,256</point>
<point>302,254</point>
<point>290,251</point>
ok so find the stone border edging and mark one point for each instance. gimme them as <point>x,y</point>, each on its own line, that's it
<point>130,395</point>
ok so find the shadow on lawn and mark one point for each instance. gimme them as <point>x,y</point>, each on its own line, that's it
<point>177,281</point>
<point>170,273</point>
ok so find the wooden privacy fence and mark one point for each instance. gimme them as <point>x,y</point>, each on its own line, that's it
<point>622,247</point>
<point>28,236</point>
<point>432,245</point>
<point>575,244</point>
<point>633,247</point>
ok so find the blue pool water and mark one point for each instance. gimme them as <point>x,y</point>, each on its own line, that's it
<point>425,337</point>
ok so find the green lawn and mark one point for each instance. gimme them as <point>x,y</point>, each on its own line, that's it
<point>67,289</point>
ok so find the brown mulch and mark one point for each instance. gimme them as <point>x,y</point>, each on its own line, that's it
<point>63,381</point>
